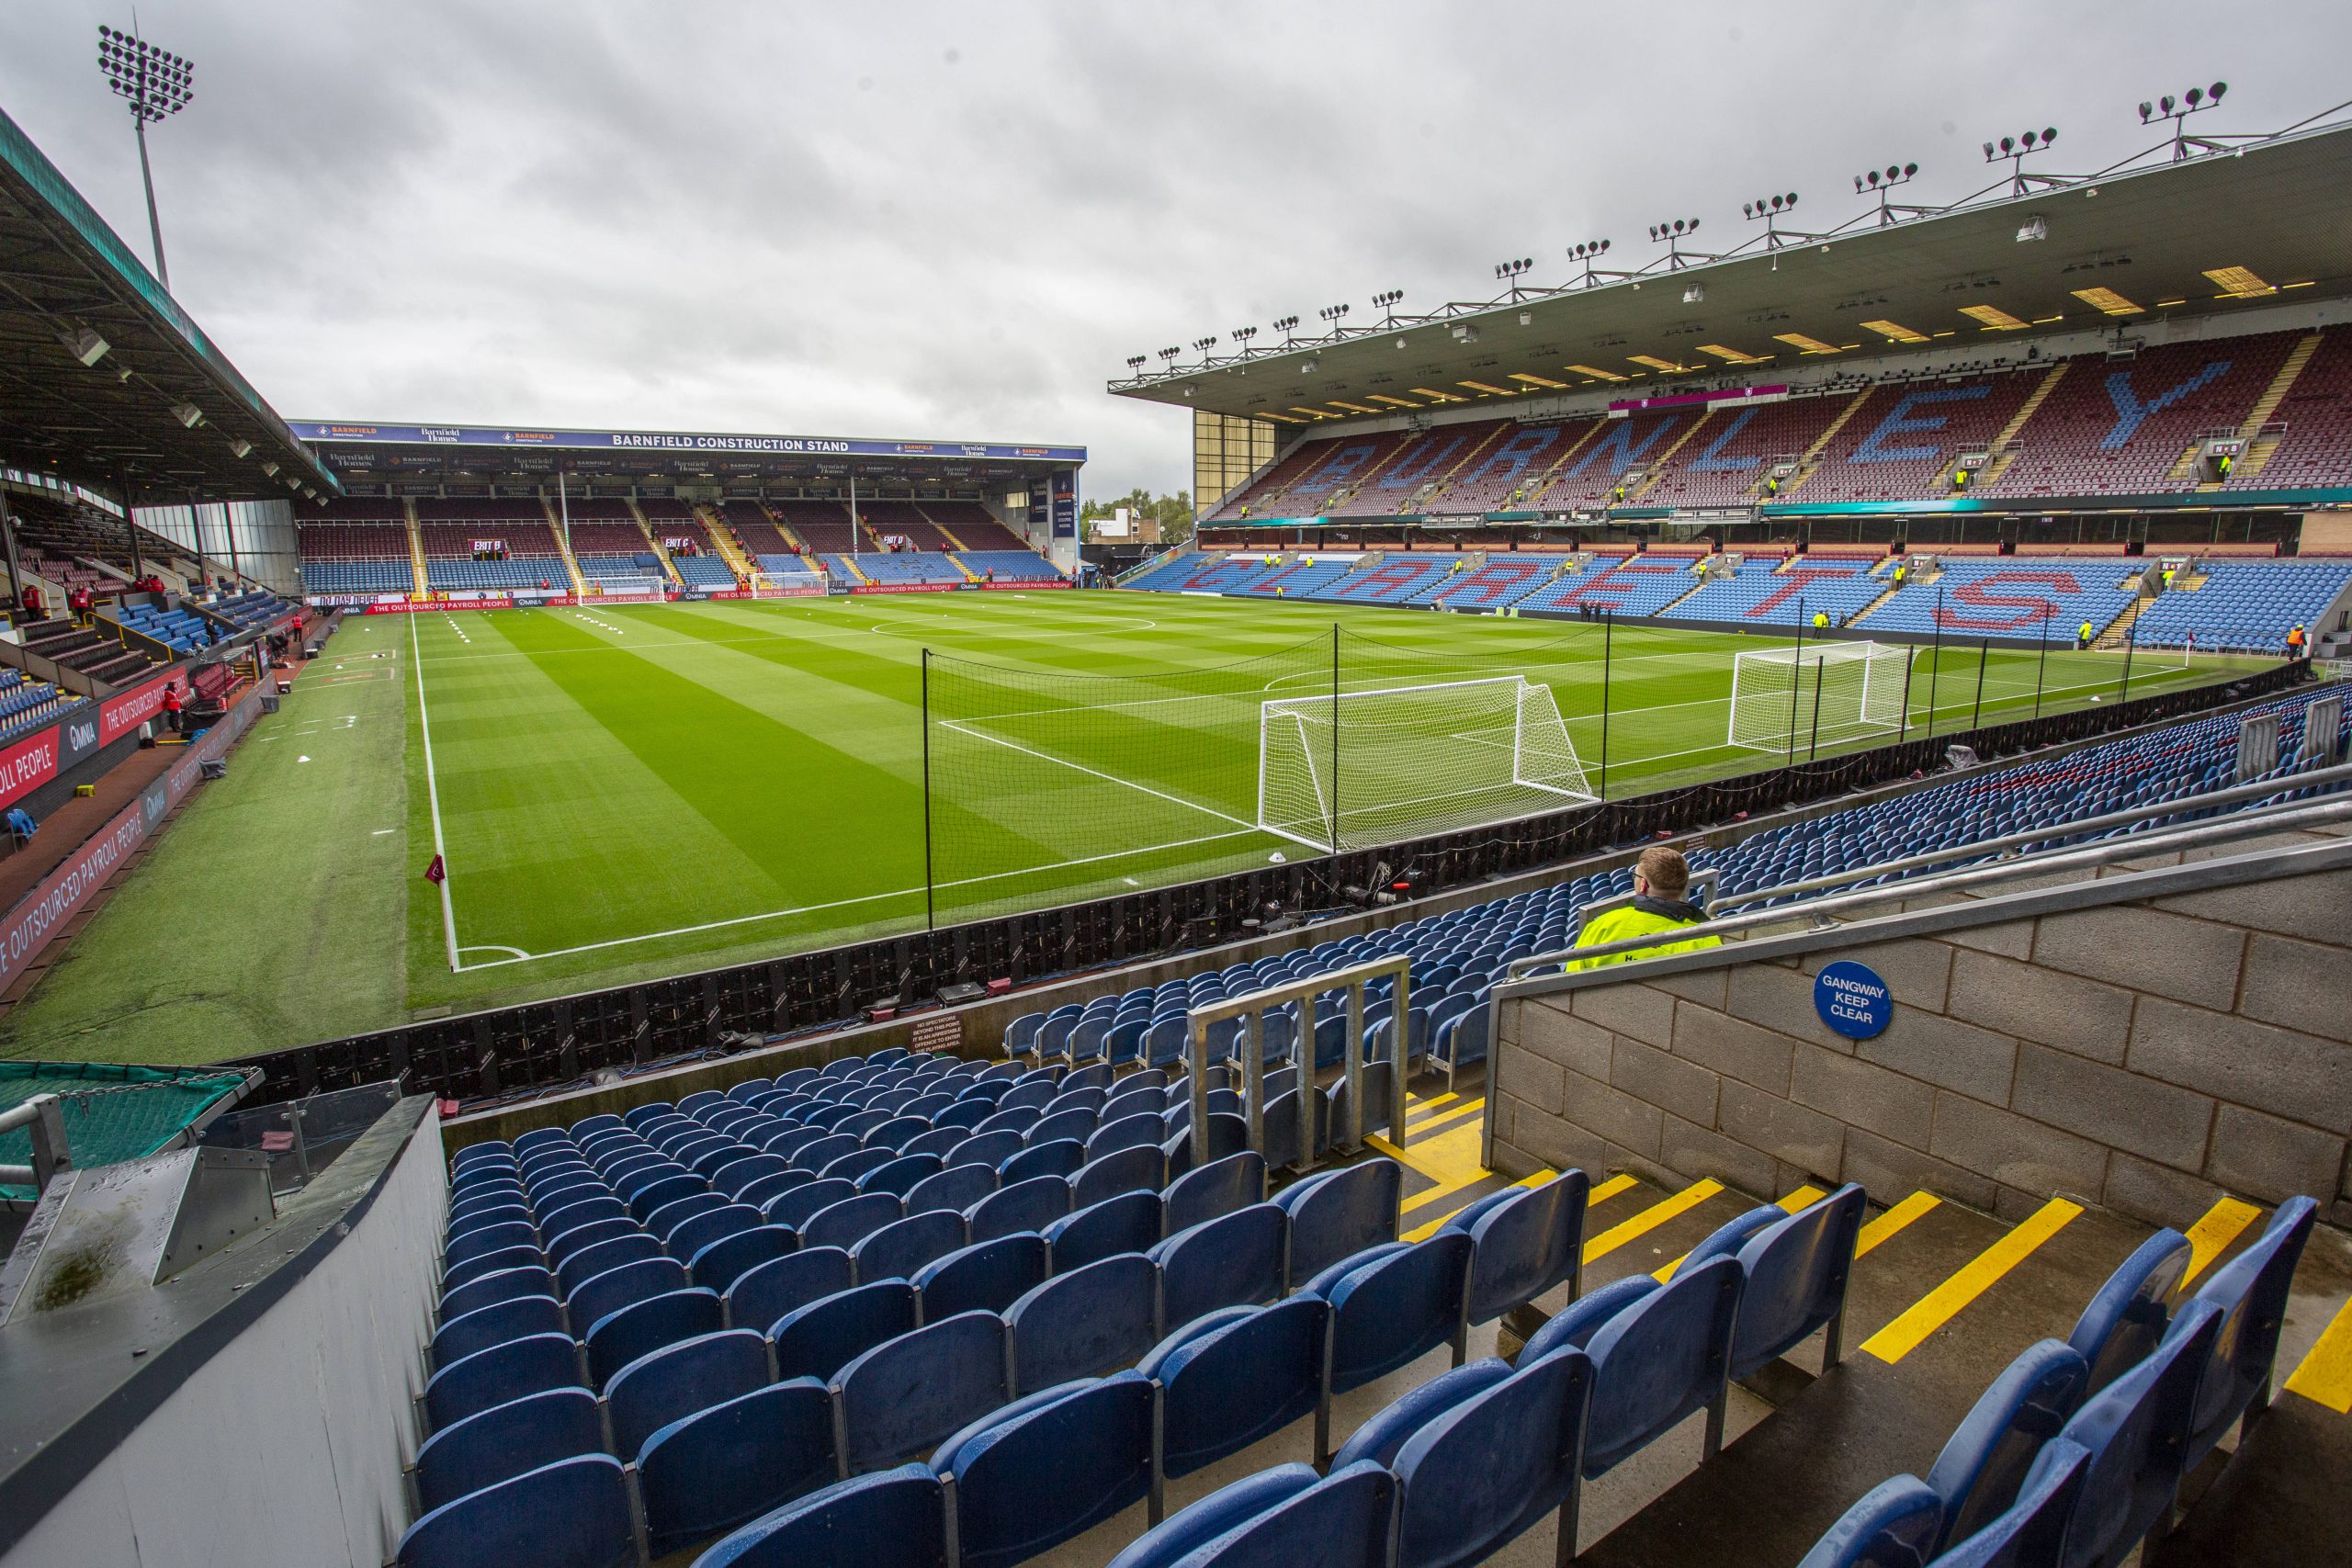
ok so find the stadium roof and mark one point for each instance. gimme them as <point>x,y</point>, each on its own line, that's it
<point>2252,219</point>
<point>102,377</point>
<point>379,453</point>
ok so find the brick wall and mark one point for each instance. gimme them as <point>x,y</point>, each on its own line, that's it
<point>2147,1055</point>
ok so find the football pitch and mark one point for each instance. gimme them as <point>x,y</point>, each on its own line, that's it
<point>626,792</point>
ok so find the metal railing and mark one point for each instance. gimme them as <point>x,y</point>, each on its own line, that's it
<point>2285,817</point>
<point>1252,1008</point>
<point>45,1114</point>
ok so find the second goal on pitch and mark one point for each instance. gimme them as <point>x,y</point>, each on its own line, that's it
<point>1835,692</point>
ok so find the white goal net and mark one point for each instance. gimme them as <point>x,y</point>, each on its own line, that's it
<point>625,588</point>
<point>1785,699</point>
<point>1375,767</point>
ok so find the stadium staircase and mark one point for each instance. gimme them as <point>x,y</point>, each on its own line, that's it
<point>723,541</point>
<point>563,547</point>
<point>1698,581</point>
<point>2004,448</point>
<point>1891,588</point>
<point>653,545</point>
<point>415,548</point>
<point>1811,459</point>
<point>958,562</point>
<point>791,534</point>
<point>1435,491</point>
<point>2118,630</point>
<point>1531,494</point>
<point>2260,446</point>
<point>1337,502</point>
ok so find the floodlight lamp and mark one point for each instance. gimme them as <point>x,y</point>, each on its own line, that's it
<point>2216,90</point>
<point>188,414</point>
<point>269,469</point>
<point>242,448</point>
<point>84,345</point>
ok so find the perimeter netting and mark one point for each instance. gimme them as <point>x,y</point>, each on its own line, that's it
<point>1375,767</point>
<point>1785,699</point>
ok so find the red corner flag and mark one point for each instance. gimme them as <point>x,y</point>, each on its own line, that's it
<point>435,872</point>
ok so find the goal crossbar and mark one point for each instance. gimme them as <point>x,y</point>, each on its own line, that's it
<point>1828,691</point>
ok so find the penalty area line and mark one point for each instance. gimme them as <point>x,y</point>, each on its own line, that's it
<point>907,893</point>
<point>961,728</point>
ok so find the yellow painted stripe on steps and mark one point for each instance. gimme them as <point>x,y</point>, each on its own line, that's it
<point>1416,1108</point>
<point>1649,1219</point>
<point>1791,1203</point>
<point>1610,1188</point>
<point>1455,1116</point>
<point>1972,1280</point>
<point>1888,1224</point>
<point>2210,1236</point>
<point>1440,1192</point>
<point>2326,1375</point>
<point>1423,1232</point>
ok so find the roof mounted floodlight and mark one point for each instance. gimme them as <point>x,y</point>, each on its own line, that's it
<point>155,84</point>
<point>2197,100</point>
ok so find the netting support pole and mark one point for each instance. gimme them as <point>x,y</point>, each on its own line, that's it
<point>1796,680</point>
<point>1335,744</point>
<point>2130,641</point>
<point>929,909</point>
<point>1813,747</point>
<point>1608,638</point>
<point>1983,652</point>
<point>1903,719</point>
<point>2042,656</point>
<point>1934,661</point>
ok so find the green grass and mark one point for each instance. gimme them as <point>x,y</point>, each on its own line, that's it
<point>632,792</point>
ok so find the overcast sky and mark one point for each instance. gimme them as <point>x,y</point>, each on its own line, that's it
<point>957,220</point>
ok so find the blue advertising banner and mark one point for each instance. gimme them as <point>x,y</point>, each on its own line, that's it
<point>1065,490</point>
<point>675,441</point>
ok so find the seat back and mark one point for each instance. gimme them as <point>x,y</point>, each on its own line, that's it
<point>638,1330</point>
<point>819,1339</point>
<point>630,1245</point>
<point>1986,1458</point>
<point>678,1380</point>
<point>1796,1270</point>
<point>1232,1261</point>
<point>2127,1317</point>
<point>572,1514</point>
<point>2251,1291</point>
<point>1479,1474</point>
<point>2136,1430</point>
<point>1138,1168</point>
<point>850,1221</point>
<point>485,1326</point>
<point>714,1223</point>
<point>1526,1244</point>
<point>1240,1381</point>
<point>1049,1470</point>
<point>1340,1214</point>
<point>1211,1190</point>
<point>729,1462</point>
<point>895,1519</point>
<point>1892,1525</point>
<point>1397,1308</point>
<point>532,1364</point>
<point>762,1295</point>
<point>1083,1322</point>
<point>794,1209</point>
<point>504,1441</point>
<point>1664,1357</point>
<point>988,1277</point>
<point>718,1264</point>
<point>906,1395</point>
<point>1129,1221</point>
<point>1055,1156</point>
<point>901,1249</point>
<point>1029,1205</point>
<point>602,1294</point>
<point>2032,1532</point>
<point>958,1188</point>
<point>489,1289</point>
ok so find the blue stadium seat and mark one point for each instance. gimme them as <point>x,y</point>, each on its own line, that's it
<point>988,1277</point>
<point>677,1380</point>
<point>1235,1376</point>
<point>1083,1322</point>
<point>894,1519</point>
<point>727,1463</point>
<point>907,1394</point>
<point>819,1339</point>
<point>504,1441</point>
<point>574,1513</point>
<point>508,1370</point>
<point>1338,1213</point>
<point>1047,1468</point>
<point>1230,1261</point>
<point>1124,1222</point>
<point>620,1338</point>
<point>762,1295</point>
<point>458,1337</point>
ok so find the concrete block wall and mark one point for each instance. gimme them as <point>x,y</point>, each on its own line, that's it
<point>2146,1055</point>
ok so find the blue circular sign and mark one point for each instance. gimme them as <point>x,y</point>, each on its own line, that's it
<point>1852,999</point>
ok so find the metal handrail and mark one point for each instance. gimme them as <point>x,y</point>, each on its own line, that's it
<point>2246,824</point>
<point>1252,1006</point>
<point>45,1114</point>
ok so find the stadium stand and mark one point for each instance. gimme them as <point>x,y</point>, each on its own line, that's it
<point>26,705</point>
<point>2006,596</point>
<point>447,531</point>
<point>356,546</point>
<point>1412,479</point>
<point>973,526</point>
<point>755,530</point>
<point>910,566</point>
<point>1592,475</point>
<point>2128,429</point>
<point>100,655</point>
<point>1730,456</point>
<point>2306,440</point>
<point>1897,439</point>
<point>905,520</point>
<point>1502,476</point>
<point>823,526</point>
<point>2244,606</point>
<point>1623,586</point>
<point>1008,565</point>
<point>1785,593</point>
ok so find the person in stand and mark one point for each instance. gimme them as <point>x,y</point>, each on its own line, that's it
<point>1900,567</point>
<point>2298,645</point>
<point>30,599</point>
<point>1821,620</point>
<point>79,602</point>
<point>1661,877</point>
<point>2083,637</point>
<point>172,707</point>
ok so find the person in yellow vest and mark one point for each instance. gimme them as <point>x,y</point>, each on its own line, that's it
<point>2083,635</point>
<point>1821,620</point>
<point>1660,878</point>
<point>2298,645</point>
<point>1900,567</point>
<point>2168,580</point>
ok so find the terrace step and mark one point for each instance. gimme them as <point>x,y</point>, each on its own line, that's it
<point>1808,464</point>
<point>1665,459</point>
<point>415,545</point>
<point>653,546</point>
<point>722,538</point>
<point>2005,448</point>
<point>563,549</point>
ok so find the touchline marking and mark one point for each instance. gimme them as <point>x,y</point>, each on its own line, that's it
<point>862,898</point>
<point>1111,778</point>
<point>433,797</point>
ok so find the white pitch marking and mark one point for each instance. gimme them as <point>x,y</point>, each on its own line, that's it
<point>1095,773</point>
<point>381,831</point>
<point>432,795</point>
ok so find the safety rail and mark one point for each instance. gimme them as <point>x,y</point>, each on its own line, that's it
<point>45,1114</point>
<point>1252,1007</point>
<point>1519,976</point>
<point>1149,563</point>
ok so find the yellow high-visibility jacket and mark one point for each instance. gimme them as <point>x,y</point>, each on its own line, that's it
<point>1640,917</point>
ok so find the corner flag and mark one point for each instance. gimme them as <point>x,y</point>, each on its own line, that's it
<point>435,872</point>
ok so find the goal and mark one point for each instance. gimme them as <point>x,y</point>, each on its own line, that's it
<point>624,589</point>
<point>1374,767</point>
<point>764,586</point>
<point>1824,693</point>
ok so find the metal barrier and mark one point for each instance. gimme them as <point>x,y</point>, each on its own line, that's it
<point>1251,1006</point>
<point>45,1114</point>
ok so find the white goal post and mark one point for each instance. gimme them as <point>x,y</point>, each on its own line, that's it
<point>1375,767</point>
<point>1837,692</point>
<point>625,589</point>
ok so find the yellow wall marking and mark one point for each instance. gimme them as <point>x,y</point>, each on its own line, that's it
<point>2210,1236</point>
<point>1943,1303</point>
<point>2326,1375</point>
<point>1649,1219</point>
<point>1886,1226</point>
<point>1791,1203</point>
